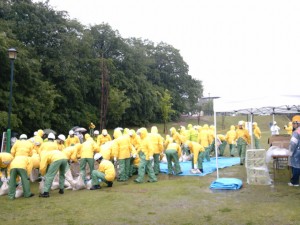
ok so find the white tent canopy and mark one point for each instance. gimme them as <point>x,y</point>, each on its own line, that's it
<point>257,105</point>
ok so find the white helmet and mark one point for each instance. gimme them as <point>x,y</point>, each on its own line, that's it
<point>71,132</point>
<point>274,123</point>
<point>51,136</point>
<point>96,132</point>
<point>23,136</point>
<point>104,132</point>
<point>35,133</point>
<point>61,137</point>
<point>98,156</point>
<point>241,123</point>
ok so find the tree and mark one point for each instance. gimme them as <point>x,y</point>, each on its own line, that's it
<point>166,108</point>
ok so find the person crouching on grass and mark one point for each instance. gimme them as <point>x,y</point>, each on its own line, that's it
<point>106,172</point>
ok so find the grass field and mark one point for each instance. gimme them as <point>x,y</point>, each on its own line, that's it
<point>172,200</point>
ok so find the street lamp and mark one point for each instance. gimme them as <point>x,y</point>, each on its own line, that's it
<point>12,55</point>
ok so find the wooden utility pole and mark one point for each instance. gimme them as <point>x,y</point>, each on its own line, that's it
<point>104,94</point>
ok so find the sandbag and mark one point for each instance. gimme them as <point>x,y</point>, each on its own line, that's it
<point>78,184</point>
<point>34,175</point>
<point>55,183</point>
<point>4,188</point>
<point>41,185</point>
<point>19,191</point>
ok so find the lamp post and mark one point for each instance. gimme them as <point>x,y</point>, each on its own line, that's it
<point>12,55</point>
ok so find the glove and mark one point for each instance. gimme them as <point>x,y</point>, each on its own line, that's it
<point>115,159</point>
<point>3,179</point>
<point>195,166</point>
<point>151,158</point>
<point>134,156</point>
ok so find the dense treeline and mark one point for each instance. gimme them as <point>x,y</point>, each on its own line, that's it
<point>60,65</point>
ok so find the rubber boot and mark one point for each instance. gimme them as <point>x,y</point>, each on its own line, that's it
<point>61,191</point>
<point>44,195</point>
<point>109,184</point>
<point>95,187</point>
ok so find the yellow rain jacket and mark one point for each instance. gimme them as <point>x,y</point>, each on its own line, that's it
<point>48,146</point>
<point>211,134</point>
<point>38,140</point>
<point>5,159</point>
<point>88,148</point>
<point>244,134</point>
<point>204,136</point>
<point>176,136</point>
<point>21,162</point>
<point>193,133</point>
<point>156,140</point>
<point>146,145</point>
<point>121,147</point>
<point>71,152</point>
<point>22,148</point>
<point>289,128</point>
<point>108,169</point>
<point>71,140</point>
<point>256,131</point>
<point>36,159</point>
<point>230,135</point>
<point>106,150</point>
<point>49,157</point>
<point>195,148</point>
<point>174,146</point>
<point>101,139</point>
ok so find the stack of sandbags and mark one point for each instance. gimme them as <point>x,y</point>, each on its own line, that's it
<point>257,170</point>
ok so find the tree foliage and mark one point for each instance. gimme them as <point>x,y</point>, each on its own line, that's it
<point>57,82</point>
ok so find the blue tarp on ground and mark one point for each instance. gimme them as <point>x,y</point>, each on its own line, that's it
<point>226,184</point>
<point>208,167</point>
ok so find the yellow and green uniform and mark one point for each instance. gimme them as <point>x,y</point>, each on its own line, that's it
<point>20,166</point>
<point>173,153</point>
<point>157,143</point>
<point>257,135</point>
<point>242,138</point>
<point>72,140</point>
<point>197,151</point>
<point>203,139</point>
<point>106,172</point>
<point>5,160</point>
<point>22,148</point>
<point>51,163</point>
<point>230,138</point>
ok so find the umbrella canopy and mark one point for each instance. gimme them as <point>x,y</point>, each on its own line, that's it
<point>80,129</point>
<point>48,131</point>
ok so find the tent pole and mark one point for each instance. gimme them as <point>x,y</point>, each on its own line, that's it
<point>216,145</point>
<point>251,120</point>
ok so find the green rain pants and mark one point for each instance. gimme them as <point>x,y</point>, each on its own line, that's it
<point>200,160</point>
<point>172,154</point>
<point>241,148</point>
<point>206,153</point>
<point>222,147</point>
<point>96,175</point>
<point>231,149</point>
<point>143,166</point>
<point>13,183</point>
<point>53,168</point>
<point>83,163</point>
<point>256,143</point>
<point>124,169</point>
<point>156,168</point>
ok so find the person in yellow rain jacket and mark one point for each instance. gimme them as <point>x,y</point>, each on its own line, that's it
<point>72,139</point>
<point>86,154</point>
<point>49,145</point>
<point>71,152</point>
<point>173,153</point>
<point>135,160</point>
<point>61,142</point>
<point>222,143</point>
<point>243,139</point>
<point>145,153</point>
<point>5,159</point>
<point>22,147</point>
<point>197,151</point>
<point>51,162</point>
<point>157,143</point>
<point>106,172</point>
<point>38,140</point>
<point>121,149</point>
<point>193,133</point>
<point>103,137</point>
<point>289,128</point>
<point>257,135</point>
<point>20,166</point>
<point>176,136</point>
<point>203,139</point>
<point>230,139</point>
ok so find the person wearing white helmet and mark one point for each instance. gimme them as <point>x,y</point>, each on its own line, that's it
<point>22,147</point>
<point>106,172</point>
<point>72,139</point>
<point>49,145</point>
<point>274,128</point>
<point>103,137</point>
<point>61,142</point>
<point>242,139</point>
<point>96,134</point>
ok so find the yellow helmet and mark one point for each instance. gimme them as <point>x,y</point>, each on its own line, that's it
<point>296,119</point>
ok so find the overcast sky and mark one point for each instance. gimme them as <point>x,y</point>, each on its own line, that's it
<point>235,47</point>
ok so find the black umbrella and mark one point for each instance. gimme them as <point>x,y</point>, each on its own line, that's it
<point>48,131</point>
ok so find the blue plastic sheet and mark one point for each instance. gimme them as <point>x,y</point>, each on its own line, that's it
<point>208,167</point>
<point>226,184</point>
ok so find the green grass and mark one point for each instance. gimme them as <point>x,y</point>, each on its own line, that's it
<point>172,200</point>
